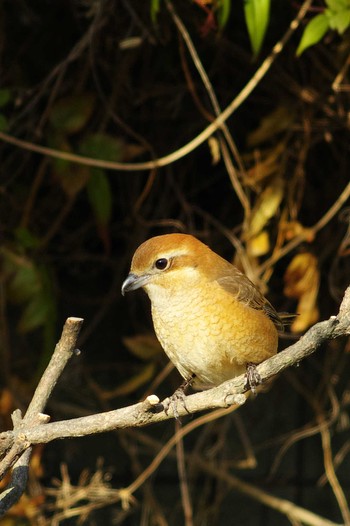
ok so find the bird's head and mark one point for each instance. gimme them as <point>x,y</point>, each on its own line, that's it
<point>166,264</point>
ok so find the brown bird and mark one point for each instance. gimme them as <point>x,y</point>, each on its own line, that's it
<point>211,320</point>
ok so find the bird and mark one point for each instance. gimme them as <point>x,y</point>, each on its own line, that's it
<point>211,320</point>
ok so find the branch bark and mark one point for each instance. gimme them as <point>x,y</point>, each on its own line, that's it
<point>15,448</point>
<point>32,429</point>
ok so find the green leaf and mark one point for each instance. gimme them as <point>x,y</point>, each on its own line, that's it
<point>40,310</point>
<point>25,238</point>
<point>101,146</point>
<point>100,196</point>
<point>257,14</point>
<point>340,20</point>
<point>5,97</point>
<point>25,282</point>
<point>70,115</point>
<point>338,5</point>
<point>155,6</point>
<point>37,313</point>
<point>224,8</point>
<point>72,178</point>
<point>313,32</point>
<point>3,122</point>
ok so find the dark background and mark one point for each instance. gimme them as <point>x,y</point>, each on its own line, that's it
<point>68,233</point>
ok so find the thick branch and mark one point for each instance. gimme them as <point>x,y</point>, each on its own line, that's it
<point>63,352</point>
<point>16,444</point>
<point>33,429</point>
<point>230,392</point>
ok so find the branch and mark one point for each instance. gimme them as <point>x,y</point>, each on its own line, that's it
<point>32,430</point>
<point>191,145</point>
<point>150,411</point>
<point>20,448</point>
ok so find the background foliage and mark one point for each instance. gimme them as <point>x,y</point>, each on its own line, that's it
<point>113,80</point>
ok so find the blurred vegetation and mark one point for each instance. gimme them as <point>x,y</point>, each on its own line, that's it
<point>113,80</point>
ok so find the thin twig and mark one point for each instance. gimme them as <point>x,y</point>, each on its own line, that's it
<point>308,232</point>
<point>181,468</point>
<point>194,143</point>
<point>330,471</point>
<point>292,511</point>
<point>172,442</point>
<point>217,110</point>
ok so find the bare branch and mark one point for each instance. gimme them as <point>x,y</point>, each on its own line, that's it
<point>146,413</point>
<point>194,143</point>
<point>16,445</point>
<point>33,429</point>
<point>17,485</point>
<point>63,352</point>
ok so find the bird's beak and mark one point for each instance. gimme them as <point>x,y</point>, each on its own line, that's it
<point>134,282</point>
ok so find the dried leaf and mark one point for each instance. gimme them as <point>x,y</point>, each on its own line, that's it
<point>302,280</point>
<point>71,177</point>
<point>25,508</point>
<point>144,346</point>
<point>266,207</point>
<point>275,122</point>
<point>71,114</point>
<point>259,245</point>
<point>6,402</point>
<point>292,229</point>
<point>36,464</point>
<point>214,147</point>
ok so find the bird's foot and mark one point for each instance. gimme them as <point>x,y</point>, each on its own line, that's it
<point>253,378</point>
<point>178,396</point>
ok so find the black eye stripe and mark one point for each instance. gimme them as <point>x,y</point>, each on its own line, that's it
<point>161,263</point>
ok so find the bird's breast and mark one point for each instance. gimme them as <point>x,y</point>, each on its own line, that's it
<point>205,331</point>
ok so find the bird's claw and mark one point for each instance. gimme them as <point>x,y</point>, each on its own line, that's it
<point>173,400</point>
<point>178,396</point>
<point>253,378</point>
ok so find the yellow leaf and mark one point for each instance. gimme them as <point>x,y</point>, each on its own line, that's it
<point>214,147</point>
<point>266,163</point>
<point>259,245</point>
<point>302,279</point>
<point>266,207</point>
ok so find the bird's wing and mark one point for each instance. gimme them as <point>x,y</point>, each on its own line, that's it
<point>244,290</point>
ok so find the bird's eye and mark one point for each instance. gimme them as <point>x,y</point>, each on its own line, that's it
<point>161,264</point>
